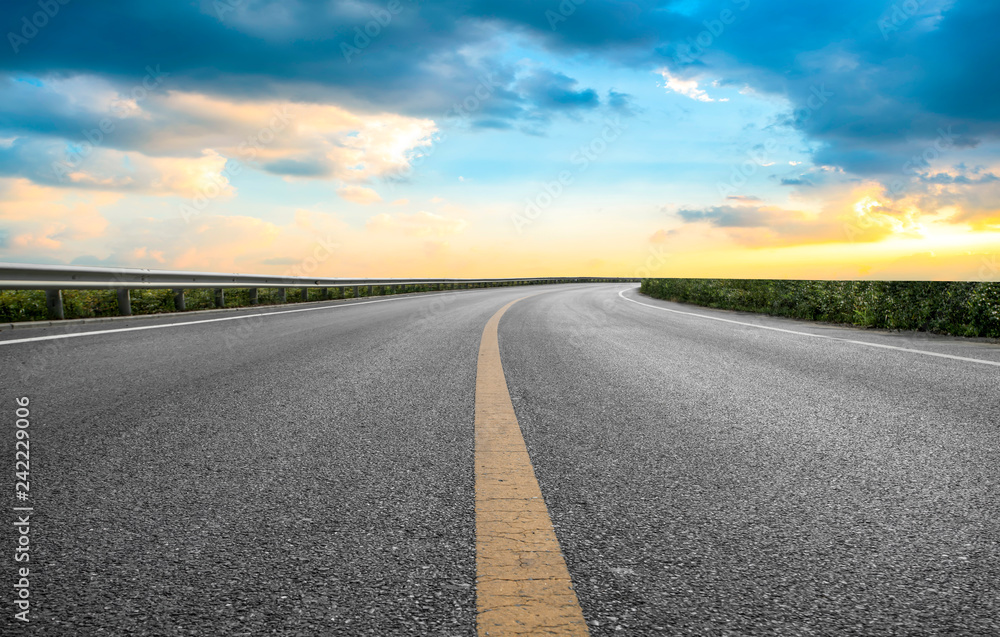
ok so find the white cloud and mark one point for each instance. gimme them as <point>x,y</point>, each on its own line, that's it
<point>295,140</point>
<point>687,88</point>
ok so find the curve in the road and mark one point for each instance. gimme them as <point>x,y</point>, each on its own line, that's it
<point>831,338</point>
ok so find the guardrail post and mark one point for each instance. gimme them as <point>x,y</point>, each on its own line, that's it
<point>282,295</point>
<point>54,304</point>
<point>124,302</point>
<point>220,297</point>
<point>357,291</point>
<point>326,294</point>
<point>179,299</point>
<point>254,299</point>
<point>305,294</point>
<point>371,290</point>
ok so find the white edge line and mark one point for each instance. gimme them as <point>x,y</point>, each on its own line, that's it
<point>214,320</point>
<point>830,338</point>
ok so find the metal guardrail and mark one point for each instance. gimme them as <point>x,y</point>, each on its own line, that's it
<point>56,278</point>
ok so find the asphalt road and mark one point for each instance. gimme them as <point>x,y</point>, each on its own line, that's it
<point>311,472</point>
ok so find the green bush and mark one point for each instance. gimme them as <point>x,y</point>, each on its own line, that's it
<point>960,308</point>
<point>22,305</point>
<point>29,305</point>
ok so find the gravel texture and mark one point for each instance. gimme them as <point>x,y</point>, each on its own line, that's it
<point>714,479</point>
<point>312,473</point>
<point>307,473</point>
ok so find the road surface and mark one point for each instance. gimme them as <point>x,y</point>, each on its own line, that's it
<point>314,472</point>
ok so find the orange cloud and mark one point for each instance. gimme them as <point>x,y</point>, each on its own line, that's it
<point>359,194</point>
<point>44,219</point>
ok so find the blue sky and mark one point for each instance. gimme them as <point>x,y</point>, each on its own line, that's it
<point>693,138</point>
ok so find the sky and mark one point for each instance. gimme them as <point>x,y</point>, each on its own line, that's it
<point>688,138</point>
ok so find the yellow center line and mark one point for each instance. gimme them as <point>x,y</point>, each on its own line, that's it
<point>522,584</point>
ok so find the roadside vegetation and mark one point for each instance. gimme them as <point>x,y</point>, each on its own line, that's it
<point>29,305</point>
<point>943,307</point>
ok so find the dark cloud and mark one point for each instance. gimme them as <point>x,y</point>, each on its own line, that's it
<point>945,178</point>
<point>550,91</point>
<point>728,216</point>
<point>496,124</point>
<point>875,93</point>
<point>874,84</point>
<point>36,160</point>
<point>297,168</point>
<point>795,181</point>
<point>357,54</point>
<point>622,103</point>
<point>627,31</point>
